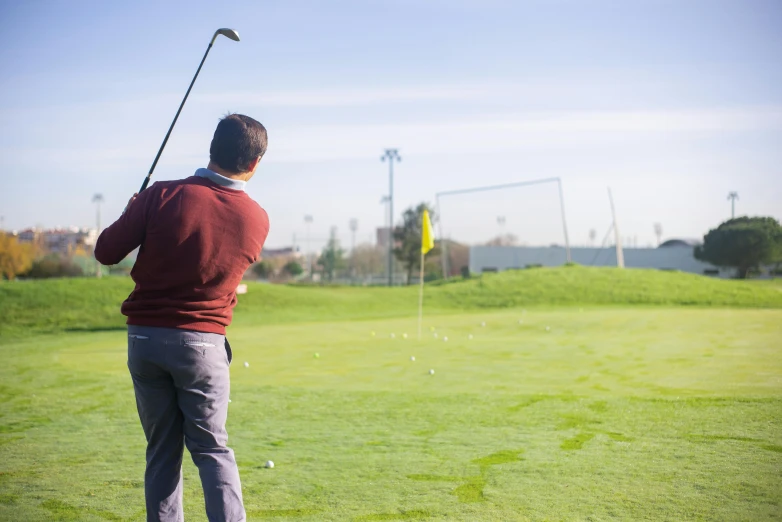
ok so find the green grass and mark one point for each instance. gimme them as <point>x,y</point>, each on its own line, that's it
<point>614,413</point>
<point>49,306</point>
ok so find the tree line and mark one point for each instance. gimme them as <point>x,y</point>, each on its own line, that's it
<point>746,244</point>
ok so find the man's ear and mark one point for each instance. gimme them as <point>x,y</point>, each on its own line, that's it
<point>254,164</point>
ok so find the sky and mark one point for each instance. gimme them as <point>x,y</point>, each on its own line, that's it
<point>671,104</point>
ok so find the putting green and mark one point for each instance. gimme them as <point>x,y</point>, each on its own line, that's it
<point>614,413</point>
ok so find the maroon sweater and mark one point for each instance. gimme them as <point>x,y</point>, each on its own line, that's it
<point>197,239</point>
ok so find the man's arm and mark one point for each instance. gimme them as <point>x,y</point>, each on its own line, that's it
<point>125,234</point>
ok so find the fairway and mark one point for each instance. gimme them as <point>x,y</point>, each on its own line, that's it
<point>613,413</point>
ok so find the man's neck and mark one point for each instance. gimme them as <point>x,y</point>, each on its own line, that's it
<point>241,176</point>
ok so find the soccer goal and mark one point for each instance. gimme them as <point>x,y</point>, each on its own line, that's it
<point>534,211</point>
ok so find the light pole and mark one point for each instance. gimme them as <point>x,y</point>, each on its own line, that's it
<point>308,222</point>
<point>658,231</point>
<point>353,224</point>
<point>97,199</point>
<point>501,223</point>
<point>732,197</point>
<point>391,155</point>
<point>353,228</point>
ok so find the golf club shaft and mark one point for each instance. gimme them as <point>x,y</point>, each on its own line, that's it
<point>165,140</point>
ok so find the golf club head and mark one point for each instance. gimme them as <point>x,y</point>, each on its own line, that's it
<point>228,33</point>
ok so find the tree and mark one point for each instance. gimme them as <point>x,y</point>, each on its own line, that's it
<point>263,269</point>
<point>503,240</point>
<point>367,259</point>
<point>15,258</point>
<point>293,268</point>
<point>54,265</point>
<point>743,243</point>
<point>333,257</point>
<point>408,238</point>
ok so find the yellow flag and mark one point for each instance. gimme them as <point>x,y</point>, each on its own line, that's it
<point>427,237</point>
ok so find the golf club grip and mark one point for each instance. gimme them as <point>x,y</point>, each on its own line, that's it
<point>144,185</point>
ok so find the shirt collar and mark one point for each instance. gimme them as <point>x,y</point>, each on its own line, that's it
<point>234,184</point>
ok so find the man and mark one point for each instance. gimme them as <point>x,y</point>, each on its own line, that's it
<point>197,237</point>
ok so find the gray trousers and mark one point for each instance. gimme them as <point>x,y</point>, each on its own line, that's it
<point>182,386</point>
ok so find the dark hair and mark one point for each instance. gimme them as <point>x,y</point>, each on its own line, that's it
<point>238,140</point>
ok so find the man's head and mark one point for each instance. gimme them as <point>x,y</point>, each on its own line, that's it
<point>238,144</point>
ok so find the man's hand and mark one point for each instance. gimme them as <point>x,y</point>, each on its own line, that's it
<point>132,198</point>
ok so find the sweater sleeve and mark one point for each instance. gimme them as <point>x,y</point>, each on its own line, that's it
<point>125,234</point>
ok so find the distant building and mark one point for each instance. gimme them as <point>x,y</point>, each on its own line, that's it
<point>675,254</point>
<point>60,240</point>
<point>383,235</point>
<point>286,252</point>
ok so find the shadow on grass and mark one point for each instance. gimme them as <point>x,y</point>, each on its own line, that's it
<point>62,511</point>
<point>110,328</point>
<point>471,487</point>
<point>279,513</point>
<point>403,515</point>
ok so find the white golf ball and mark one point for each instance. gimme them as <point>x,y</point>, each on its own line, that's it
<point>435,335</point>
<point>431,372</point>
<point>412,358</point>
<point>469,337</point>
<point>483,323</point>
<point>521,322</point>
<point>392,336</point>
<point>445,339</point>
<point>246,364</point>
<point>269,464</point>
<point>548,328</point>
<point>404,336</point>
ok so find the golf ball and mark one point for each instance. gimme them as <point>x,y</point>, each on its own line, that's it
<point>483,323</point>
<point>392,336</point>
<point>269,464</point>
<point>431,372</point>
<point>404,336</point>
<point>246,364</point>
<point>445,339</point>
<point>548,328</point>
<point>469,337</point>
<point>435,335</point>
<point>521,322</point>
<point>412,358</point>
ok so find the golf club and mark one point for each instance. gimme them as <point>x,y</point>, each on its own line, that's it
<point>228,33</point>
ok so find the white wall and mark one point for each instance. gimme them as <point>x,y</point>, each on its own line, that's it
<point>667,258</point>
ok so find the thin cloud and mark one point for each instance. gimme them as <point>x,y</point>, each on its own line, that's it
<point>344,97</point>
<point>556,131</point>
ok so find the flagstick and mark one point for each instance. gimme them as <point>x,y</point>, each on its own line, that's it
<point>421,297</point>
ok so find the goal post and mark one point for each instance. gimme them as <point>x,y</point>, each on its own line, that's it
<point>440,195</point>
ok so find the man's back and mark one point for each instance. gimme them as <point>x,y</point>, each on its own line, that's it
<point>197,240</point>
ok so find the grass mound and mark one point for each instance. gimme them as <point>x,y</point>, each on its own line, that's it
<point>606,286</point>
<point>93,305</point>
